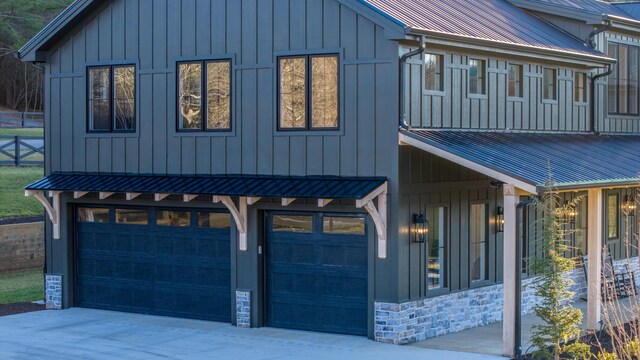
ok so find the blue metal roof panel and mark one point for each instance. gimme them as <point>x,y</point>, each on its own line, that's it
<point>493,20</point>
<point>223,185</point>
<point>589,6</point>
<point>571,159</point>
<point>632,8</point>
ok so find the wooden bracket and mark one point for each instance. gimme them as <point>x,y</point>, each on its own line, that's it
<point>252,200</point>
<point>187,197</point>
<point>324,202</point>
<point>160,197</point>
<point>287,201</point>
<point>79,194</point>
<point>131,196</point>
<point>378,214</point>
<point>104,195</point>
<point>239,214</point>
<point>52,210</point>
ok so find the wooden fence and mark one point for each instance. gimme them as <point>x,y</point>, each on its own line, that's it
<point>21,119</point>
<point>21,150</point>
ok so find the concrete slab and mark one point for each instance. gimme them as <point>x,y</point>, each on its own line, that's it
<point>95,334</point>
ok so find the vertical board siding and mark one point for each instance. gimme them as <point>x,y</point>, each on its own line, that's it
<point>154,34</point>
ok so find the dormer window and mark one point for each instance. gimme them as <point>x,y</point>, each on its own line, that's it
<point>112,98</point>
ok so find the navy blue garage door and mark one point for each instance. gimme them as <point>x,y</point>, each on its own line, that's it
<point>317,272</point>
<point>154,261</point>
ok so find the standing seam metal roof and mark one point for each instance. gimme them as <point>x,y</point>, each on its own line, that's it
<point>573,159</point>
<point>492,20</point>
<point>632,8</point>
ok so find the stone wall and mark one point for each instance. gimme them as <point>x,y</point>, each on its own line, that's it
<point>243,308</point>
<point>436,316</point>
<point>21,246</point>
<point>53,291</point>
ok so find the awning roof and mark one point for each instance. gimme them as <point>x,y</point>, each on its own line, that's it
<point>224,185</point>
<point>575,161</point>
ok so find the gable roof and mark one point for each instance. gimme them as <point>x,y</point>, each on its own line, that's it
<point>494,21</point>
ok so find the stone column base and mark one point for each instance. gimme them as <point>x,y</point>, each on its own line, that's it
<point>53,291</point>
<point>243,308</point>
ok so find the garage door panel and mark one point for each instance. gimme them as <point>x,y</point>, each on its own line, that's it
<point>316,281</point>
<point>151,269</point>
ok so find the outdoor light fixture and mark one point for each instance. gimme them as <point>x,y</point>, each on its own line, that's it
<point>629,206</point>
<point>420,227</point>
<point>500,219</point>
<point>571,213</point>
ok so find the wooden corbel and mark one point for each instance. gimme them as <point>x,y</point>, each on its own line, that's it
<point>239,214</point>
<point>378,214</point>
<point>52,210</point>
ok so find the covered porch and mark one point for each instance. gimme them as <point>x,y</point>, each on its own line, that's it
<point>523,163</point>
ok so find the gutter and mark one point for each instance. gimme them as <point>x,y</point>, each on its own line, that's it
<point>597,30</point>
<point>592,108</point>
<point>403,68</point>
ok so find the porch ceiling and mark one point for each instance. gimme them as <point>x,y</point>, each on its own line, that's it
<point>573,160</point>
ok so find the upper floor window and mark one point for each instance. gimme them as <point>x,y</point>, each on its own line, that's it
<point>433,72</point>
<point>515,80</point>
<point>549,84</point>
<point>580,87</point>
<point>476,76</point>
<point>308,92</point>
<point>623,81</point>
<point>112,98</point>
<point>204,96</point>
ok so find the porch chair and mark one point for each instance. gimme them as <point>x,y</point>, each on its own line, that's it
<point>614,285</point>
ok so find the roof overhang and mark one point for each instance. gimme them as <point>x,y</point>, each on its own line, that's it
<point>577,161</point>
<point>511,49</point>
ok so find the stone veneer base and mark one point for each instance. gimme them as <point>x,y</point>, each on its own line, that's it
<point>431,317</point>
<point>53,291</point>
<point>243,308</point>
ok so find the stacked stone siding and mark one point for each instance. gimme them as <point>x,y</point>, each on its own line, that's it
<point>53,292</point>
<point>427,318</point>
<point>243,308</point>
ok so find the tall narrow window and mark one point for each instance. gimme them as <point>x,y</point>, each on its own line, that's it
<point>623,79</point>
<point>515,80</point>
<point>613,216</point>
<point>436,249</point>
<point>112,94</point>
<point>476,76</point>
<point>549,84</point>
<point>612,99</point>
<point>433,72</point>
<point>308,92</point>
<point>580,87</point>
<point>633,79</point>
<point>478,236</point>
<point>204,96</point>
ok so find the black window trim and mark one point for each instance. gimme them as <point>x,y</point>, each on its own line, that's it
<point>205,96</point>
<point>618,215</point>
<point>488,232</point>
<point>111,111</point>
<point>447,252</point>
<point>617,86</point>
<point>308,93</point>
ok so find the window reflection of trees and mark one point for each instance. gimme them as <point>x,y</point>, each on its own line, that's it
<point>324,91</point>
<point>293,101</point>
<point>124,98</point>
<point>190,96</point>
<point>219,95</point>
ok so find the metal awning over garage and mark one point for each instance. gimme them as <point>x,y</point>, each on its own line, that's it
<point>526,160</point>
<point>221,189</point>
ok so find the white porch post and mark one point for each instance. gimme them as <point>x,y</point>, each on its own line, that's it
<point>509,270</point>
<point>594,250</point>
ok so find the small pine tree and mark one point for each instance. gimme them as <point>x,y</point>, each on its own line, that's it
<point>561,320</point>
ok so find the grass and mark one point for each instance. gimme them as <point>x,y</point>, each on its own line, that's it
<point>23,286</point>
<point>13,203</point>
<point>22,132</point>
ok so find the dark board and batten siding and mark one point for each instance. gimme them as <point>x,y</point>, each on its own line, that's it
<point>154,34</point>
<point>455,108</point>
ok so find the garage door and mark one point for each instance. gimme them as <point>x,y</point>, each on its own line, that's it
<point>317,272</point>
<point>154,261</point>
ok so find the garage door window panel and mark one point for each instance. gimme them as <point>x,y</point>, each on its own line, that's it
<point>93,215</point>
<point>173,218</point>
<point>343,225</point>
<point>214,220</point>
<point>132,217</point>
<point>293,223</point>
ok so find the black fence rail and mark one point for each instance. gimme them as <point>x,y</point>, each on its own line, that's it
<point>21,150</point>
<point>21,119</point>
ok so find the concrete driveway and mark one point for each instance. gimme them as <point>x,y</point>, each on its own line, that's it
<point>95,334</point>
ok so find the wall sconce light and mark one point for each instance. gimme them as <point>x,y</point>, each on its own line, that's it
<point>629,206</point>
<point>571,213</point>
<point>420,227</point>
<point>500,219</point>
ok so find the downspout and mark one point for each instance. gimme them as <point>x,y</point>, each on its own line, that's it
<point>403,62</point>
<point>518,258</point>
<point>592,109</point>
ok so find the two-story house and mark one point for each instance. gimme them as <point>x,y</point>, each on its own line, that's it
<point>346,166</point>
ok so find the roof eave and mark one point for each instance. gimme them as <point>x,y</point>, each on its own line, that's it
<point>608,184</point>
<point>625,24</point>
<point>558,10</point>
<point>516,49</point>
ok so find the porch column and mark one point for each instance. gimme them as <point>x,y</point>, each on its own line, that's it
<point>594,250</point>
<point>509,270</point>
